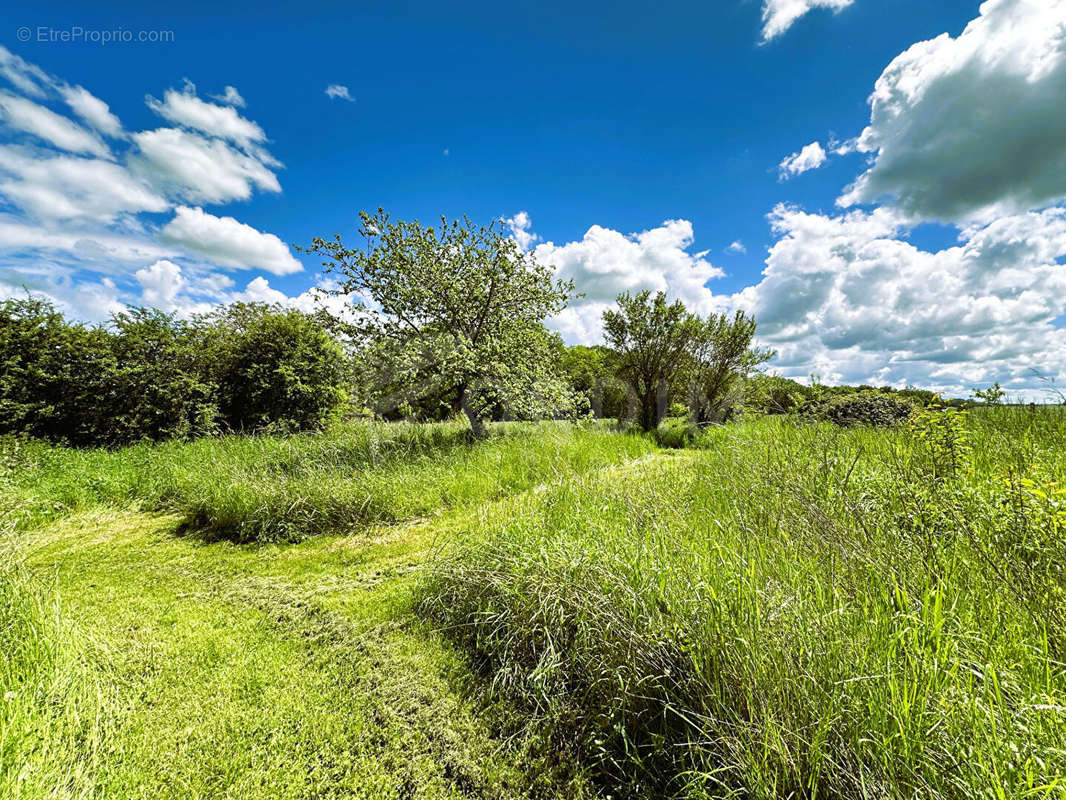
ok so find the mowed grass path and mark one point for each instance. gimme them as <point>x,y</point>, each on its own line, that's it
<point>194,669</point>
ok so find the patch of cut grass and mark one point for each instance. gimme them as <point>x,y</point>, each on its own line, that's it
<point>290,671</point>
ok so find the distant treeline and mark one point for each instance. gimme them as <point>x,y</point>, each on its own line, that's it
<point>148,375</point>
<point>447,320</point>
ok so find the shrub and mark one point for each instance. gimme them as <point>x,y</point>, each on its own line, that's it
<point>772,394</point>
<point>159,389</point>
<point>276,369</point>
<point>150,376</point>
<point>868,407</point>
<point>676,432</point>
<point>55,378</point>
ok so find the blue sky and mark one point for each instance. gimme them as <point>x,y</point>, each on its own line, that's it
<point>639,142</point>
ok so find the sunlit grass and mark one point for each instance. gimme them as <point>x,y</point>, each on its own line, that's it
<point>792,611</point>
<point>283,488</point>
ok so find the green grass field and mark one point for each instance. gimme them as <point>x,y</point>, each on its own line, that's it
<point>784,610</point>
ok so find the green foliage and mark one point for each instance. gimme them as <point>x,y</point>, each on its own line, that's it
<point>676,432</point>
<point>797,611</point>
<point>652,339</point>
<point>159,387</point>
<point>991,396</point>
<point>591,372</point>
<point>772,394</point>
<point>864,407</point>
<point>721,357</point>
<point>275,369</point>
<point>55,378</point>
<point>663,353</point>
<point>150,376</point>
<point>457,310</point>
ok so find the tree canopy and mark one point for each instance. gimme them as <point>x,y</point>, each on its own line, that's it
<point>652,339</point>
<point>457,309</point>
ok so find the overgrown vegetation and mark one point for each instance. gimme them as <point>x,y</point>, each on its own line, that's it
<point>151,376</point>
<point>273,488</point>
<point>860,408</point>
<point>747,587</point>
<point>792,611</point>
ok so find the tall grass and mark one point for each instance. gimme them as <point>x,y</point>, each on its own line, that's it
<point>49,723</point>
<point>794,611</point>
<point>283,488</point>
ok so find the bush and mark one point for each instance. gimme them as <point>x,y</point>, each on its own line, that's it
<point>676,432</point>
<point>55,378</point>
<point>276,369</point>
<point>150,376</point>
<point>772,394</point>
<point>159,387</point>
<point>860,408</point>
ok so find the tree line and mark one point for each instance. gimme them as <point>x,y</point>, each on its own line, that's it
<point>442,320</point>
<point>147,375</point>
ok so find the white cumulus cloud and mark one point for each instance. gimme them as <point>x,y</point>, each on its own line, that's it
<point>48,126</point>
<point>810,157</point>
<point>186,109</point>
<point>228,243</point>
<point>200,169</point>
<point>336,91</point>
<point>847,297</point>
<point>26,77</point>
<point>230,97</point>
<point>91,109</point>
<point>972,127</point>
<point>779,15</point>
<point>519,226</point>
<point>605,263</point>
<point>160,284</point>
<point>65,187</point>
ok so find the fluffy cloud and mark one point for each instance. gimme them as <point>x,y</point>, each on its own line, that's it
<point>45,124</point>
<point>31,242</point>
<point>160,284</point>
<point>779,15</point>
<point>847,297</point>
<point>199,169</point>
<point>810,157</point>
<point>91,109</point>
<point>26,77</point>
<point>737,248</point>
<point>972,127</point>
<point>186,109</point>
<point>61,187</point>
<point>230,97</point>
<point>229,243</point>
<point>75,227</point>
<point>336,91</point>
<point>519,225</point>
<point>604,263</point>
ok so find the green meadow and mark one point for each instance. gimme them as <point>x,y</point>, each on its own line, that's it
<point>781,609</point>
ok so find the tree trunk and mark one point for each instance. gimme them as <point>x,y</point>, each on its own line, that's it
<point>477,422</point>
<point>662,401</point>
<point>647,413</point>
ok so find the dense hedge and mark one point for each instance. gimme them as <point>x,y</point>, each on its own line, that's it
<point>151,376</point>
<point>861,408</point>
